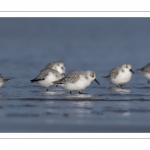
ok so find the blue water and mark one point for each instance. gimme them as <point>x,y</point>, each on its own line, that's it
<point>98,44</point>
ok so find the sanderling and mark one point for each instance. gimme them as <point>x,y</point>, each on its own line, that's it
<point>120,75</point>
<point>57,65</point>
<point>146,71</point>
<point>2,80</point>
<point>77,81</point>
<point>47,76</point>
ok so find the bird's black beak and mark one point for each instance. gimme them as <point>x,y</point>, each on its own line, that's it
<point>97,81</point>
<point>131,70</point>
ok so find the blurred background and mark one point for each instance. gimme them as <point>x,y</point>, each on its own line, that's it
<point>99,44</point>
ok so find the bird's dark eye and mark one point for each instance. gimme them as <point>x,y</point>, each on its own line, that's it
<point>62,67</point>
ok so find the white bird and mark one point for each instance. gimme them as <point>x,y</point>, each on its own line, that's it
<point>120,75</point>
<point>146,72</point>
<point>46,77</point>
<point>77,81</point>
<point>57,65</point>
<point>2,80</point>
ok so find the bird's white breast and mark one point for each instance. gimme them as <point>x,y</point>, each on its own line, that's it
<point>147,75</point>
<point>48,81</point>
<point>1,84</point>
<point>122,77</point>
<point>79,85</point>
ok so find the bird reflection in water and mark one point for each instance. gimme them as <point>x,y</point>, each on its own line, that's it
<point>78,96</point>
<point>121,90</point>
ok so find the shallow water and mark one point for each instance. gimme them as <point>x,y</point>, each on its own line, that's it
<point>98,44</point>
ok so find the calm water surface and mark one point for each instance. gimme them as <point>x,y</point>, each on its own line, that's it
<point>98,44</point>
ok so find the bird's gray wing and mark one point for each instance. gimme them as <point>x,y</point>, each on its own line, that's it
<point>72,78</point>
<point>57,74</point>
<point>114,72</point>
<point>50,65</point>
<point>43,74</point>
<point>146,68</point>
<point>1,78</point>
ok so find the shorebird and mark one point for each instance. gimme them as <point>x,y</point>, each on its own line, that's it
<point>77,80</point>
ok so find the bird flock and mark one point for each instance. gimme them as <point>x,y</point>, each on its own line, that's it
<point>54,74</point>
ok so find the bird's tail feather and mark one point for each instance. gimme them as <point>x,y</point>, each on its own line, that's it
<point>106,77</point>
<point>6,80</point>
<point>139,69</point>
<point>35,80</point>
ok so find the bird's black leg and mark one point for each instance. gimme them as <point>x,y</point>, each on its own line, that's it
<point>82,93</point>
<point>57,85</point>
<point>46,89</point>
<point>148,82</point>
<point>70,92</point>
<point>119,85</point>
